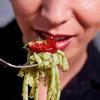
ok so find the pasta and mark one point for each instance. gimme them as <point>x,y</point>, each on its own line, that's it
<point>46,71</point>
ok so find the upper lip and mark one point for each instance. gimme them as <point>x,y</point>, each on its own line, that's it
<point>56,35</point>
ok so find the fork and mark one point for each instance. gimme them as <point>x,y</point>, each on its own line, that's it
<point>16,66</point>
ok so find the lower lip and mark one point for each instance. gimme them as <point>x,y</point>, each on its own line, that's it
<point>63,44</point>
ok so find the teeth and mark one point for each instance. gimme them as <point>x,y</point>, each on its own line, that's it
<point>60,38</point>
<point>45,35</point>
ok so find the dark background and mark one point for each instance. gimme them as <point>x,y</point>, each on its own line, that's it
<point>11,50</point>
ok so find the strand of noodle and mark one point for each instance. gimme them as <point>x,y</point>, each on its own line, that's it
<point>51,82</point>
<point>25,87</point>
<point>57,84</point>
<point>36,82</point>
<point>31,95</point>
<point>54,91</point>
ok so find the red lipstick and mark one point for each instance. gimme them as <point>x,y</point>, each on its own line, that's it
<point>62,40</point>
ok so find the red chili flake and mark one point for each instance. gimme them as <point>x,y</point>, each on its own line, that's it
<point>48,45</point>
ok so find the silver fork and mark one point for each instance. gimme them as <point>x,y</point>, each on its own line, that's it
<point>15,66</point>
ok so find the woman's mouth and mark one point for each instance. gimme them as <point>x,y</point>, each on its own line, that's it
<point>62,41</point>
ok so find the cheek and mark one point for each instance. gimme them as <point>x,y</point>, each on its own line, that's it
<point>82,40</point>
<point>90,34</point>
<point>25,10</point>
<point>88,11</point>
<point>25,7</point>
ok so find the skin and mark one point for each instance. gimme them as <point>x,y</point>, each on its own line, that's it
<point>80,18</point>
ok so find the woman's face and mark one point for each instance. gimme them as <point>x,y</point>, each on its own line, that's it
<point>73,23</point>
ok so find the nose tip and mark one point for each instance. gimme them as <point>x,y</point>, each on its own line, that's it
<point>54,18</point>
